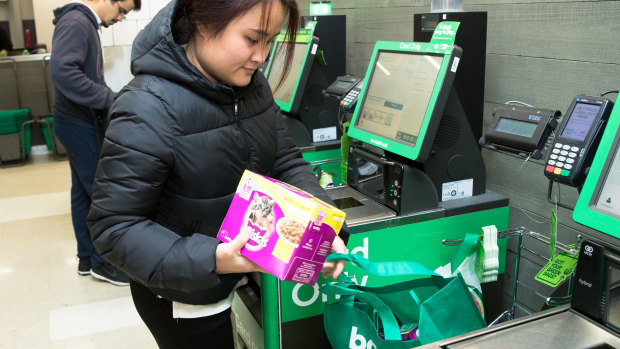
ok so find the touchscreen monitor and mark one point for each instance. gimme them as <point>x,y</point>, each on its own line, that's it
<point>290,92</point>
<point>403,99</point>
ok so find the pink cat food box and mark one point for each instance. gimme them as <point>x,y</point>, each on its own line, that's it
<point>291,230</point>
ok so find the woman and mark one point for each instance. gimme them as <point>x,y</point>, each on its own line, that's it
<point>196,115</point>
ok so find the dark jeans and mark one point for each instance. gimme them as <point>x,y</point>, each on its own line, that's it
<point>207,332</point>
<point>83,153</point>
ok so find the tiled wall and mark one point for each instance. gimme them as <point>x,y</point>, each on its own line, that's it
<point>117,39</point>
<point>123,33</point>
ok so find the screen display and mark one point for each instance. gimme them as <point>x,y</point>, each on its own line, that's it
<point>286,90</point>
<point>398,95</point>
<point>580,121</point>
<point>342,84</point>
<point>608,200</point>
<point>516,127</point>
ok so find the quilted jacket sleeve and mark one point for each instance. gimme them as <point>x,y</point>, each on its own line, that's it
<point>134,166</point>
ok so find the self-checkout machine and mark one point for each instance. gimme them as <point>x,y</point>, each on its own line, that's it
<point>592,320</point>
<point>415,178</point>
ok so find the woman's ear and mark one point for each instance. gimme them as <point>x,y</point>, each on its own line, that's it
<point>202,30</point>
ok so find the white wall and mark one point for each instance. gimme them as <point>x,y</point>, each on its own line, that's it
<point>116,40</point>
<point>123,33</point>
<point>43,17</point>
<point>117,35</point>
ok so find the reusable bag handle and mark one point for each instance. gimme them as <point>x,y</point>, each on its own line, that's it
<point>391,329</point>
<point>404,268</point>
<point>383,268</point>
<point>467,247</point>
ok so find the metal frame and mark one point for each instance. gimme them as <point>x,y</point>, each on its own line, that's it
<point>36,118</point>
<point>9,59</point>
<point>519,232</point>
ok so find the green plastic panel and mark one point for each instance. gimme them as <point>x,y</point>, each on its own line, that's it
<point>586,212</point>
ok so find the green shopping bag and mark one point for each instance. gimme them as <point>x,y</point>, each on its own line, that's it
<point>375,317</point>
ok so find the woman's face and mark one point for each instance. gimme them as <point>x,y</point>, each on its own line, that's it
<point>232,57</point>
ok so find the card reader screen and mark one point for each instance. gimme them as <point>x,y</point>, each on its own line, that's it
<point>342,84</point>
<point>580,121</point>
<point>516,127</point>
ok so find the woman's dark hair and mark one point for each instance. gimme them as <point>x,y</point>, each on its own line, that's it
<point>215,15</point>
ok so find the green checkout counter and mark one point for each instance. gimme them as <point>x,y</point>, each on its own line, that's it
<point>282,314</point>
<point>415,176</point>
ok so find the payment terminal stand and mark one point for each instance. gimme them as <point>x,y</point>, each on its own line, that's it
<point>472,38</point>
<point>416,178</point>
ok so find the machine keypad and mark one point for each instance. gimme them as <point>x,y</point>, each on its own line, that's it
<point>562,159</point>
<point>349,98</point>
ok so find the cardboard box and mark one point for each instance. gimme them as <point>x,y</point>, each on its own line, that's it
<point>292,231</point>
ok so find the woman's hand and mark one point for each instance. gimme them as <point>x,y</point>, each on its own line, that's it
<point>332,268</point>
<point>228,257</point>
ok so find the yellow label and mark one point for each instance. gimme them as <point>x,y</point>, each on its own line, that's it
<point>283,251</point>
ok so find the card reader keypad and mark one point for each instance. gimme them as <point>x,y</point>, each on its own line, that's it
<point>350,98</point>
<point>562,159</point>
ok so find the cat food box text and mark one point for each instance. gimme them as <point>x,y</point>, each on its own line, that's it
<point>291,230</point>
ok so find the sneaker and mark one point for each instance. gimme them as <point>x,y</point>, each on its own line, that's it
<point>84,267</point>
<point>107,272</point>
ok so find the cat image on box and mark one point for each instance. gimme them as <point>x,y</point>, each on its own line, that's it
<point>260,212</point>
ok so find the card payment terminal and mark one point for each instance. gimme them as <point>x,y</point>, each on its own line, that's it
<point>349,100</point>
<point>577,139</point>
<point>346,89</point>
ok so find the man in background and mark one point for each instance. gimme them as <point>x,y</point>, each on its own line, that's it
<point>81,102</point>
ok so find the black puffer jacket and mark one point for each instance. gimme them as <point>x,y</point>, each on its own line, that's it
<point>174,152</point>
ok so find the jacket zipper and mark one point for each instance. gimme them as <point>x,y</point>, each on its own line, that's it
<point>238,121</point>
<point>236,106</point>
